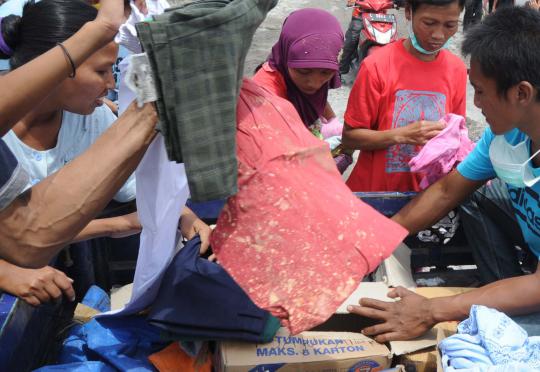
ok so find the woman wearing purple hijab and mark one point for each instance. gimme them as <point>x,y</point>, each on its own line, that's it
<point>304,65</point>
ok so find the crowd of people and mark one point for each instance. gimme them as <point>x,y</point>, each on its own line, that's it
<point>65,154</point>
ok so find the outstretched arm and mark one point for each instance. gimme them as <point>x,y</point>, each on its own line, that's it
<point>22,89</point>
<point>417,133</point>
<point>413,314</point>
<point>436,201</point>
<point>35,226</point>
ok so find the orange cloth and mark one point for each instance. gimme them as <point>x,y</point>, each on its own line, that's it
<point>174,359</point>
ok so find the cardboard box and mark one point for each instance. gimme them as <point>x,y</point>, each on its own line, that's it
<point>335,345</point>
<point>314,352</point>
<point>441,335</point>
<point>306,352</point>
<point>420,361</point>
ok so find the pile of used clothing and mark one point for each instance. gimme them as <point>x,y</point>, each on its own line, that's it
<point>292,241</point>
<point>489,341</point>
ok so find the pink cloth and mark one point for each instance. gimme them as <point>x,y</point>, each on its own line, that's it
<point>442,152</point>
<point>332,128</point>
<point>294,237</point>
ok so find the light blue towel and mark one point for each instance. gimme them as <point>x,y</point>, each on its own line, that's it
<point>489,341</point>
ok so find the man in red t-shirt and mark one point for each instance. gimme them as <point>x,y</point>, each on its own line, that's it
<point>402,90</point>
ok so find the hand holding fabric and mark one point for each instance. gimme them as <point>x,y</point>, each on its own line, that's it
<point>191,225</point>
<point>35,286</point>
<point>418,133</point>
<point>332,128</point>
<point>408,318</point>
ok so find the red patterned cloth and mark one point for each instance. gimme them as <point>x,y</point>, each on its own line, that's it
<point>294,237</point>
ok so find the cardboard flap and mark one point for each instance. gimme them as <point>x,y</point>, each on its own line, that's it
<point>423,342</point>
<point>375,290</point>
<point>396,270</point>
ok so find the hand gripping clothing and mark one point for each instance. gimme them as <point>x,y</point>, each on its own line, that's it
<point>294,237</point>
<point>197,53</point>
<point>162,192</point>
<point>199,300</point>
<point>444,151</point>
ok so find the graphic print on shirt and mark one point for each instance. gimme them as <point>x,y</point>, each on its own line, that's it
<point>411,106</point>
<point>526,204</point>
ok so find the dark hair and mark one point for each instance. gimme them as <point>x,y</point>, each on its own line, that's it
<point>42,26</point>
<point>415,4</point>
<point>506,45</point>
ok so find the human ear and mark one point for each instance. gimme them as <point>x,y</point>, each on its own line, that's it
<point>525,93</point>
<point>408,12</point>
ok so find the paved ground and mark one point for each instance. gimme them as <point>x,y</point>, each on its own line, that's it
<point>269,31</point>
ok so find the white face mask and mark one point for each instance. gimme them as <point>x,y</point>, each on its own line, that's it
<point>511,162</point>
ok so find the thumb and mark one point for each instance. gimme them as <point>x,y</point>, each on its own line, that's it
<point>399,292</point>
<point>205,244</point>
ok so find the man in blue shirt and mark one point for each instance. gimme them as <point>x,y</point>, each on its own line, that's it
<point>505,75</point>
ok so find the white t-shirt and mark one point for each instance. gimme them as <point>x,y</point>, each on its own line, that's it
<point>77,133</point>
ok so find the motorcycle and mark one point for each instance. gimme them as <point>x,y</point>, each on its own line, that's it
<point>378,28</point>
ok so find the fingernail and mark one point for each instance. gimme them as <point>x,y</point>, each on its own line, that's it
<point>349,308</point>
<point>71,280</point>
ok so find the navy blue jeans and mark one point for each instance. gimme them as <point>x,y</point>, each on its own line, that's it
<point>352,37</point>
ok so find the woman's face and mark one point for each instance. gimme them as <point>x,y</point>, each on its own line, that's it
<point>94,78</point>
<point>310,80</point>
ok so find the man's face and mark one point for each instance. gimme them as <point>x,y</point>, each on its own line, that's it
<point>434,25</point>
<point>501,113</point>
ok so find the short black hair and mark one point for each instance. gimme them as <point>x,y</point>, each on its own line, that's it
<point>43,25</point>
<point>506,45</point>
<point>415,4</point>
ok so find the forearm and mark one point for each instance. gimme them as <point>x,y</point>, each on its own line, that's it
<point>6,272</point>
<point>513,296</point>
<point>26,86</point>
<point>48,216</point>
<point>435,202</point>
<point>425,209</point>
<point>368,139</point>
<point>328,112</point>
<point>187,212</point>
<point>113,227</point>
<point>97,228</point>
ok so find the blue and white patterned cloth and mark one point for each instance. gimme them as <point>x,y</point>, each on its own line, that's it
<point>489,341</point>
